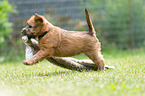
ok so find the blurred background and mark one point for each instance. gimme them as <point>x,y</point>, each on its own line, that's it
<point>119,24</point>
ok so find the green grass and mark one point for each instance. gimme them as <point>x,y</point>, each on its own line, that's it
<point>45,79</point>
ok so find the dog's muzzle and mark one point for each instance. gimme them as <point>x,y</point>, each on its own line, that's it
<point>26,32</point>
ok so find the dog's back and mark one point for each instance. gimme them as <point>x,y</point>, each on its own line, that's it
<point>76,42</point>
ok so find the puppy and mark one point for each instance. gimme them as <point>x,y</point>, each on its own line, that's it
<point>54,41</point>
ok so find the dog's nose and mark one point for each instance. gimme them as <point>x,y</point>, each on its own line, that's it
<point>23,30</point>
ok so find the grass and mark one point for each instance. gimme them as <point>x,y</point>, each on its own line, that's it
<point>127,79</point>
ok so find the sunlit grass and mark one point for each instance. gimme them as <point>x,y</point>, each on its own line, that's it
<point>45,79</point>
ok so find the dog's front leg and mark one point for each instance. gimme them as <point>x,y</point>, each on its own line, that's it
<point>39,56</point>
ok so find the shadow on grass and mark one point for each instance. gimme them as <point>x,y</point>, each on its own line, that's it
<point>56,73</point>
<point>65,73</point>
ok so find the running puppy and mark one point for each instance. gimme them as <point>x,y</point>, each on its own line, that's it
<point>57,42</point>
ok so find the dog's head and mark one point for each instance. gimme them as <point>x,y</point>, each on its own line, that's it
<point>36,26</point>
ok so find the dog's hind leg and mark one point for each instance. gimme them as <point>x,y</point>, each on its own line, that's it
<point>96,56</point>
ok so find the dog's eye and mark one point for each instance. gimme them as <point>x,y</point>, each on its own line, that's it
<point>30,26</point>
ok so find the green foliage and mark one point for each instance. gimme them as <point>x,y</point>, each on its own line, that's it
<point>5,26</point>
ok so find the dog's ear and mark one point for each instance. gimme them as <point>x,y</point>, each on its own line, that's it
<point>38,18</point>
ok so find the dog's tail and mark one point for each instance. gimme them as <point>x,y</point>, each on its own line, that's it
<point>89,22</point>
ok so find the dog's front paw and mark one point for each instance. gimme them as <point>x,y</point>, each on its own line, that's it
<point>27,62</point>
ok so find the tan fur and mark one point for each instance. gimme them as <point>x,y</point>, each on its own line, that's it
<point>62,43</point>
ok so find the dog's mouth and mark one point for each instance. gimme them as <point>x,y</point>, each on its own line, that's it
<point>28,34</point>
<point>31,36</point>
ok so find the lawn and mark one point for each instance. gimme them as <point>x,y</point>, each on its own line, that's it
<point>45,79</point>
